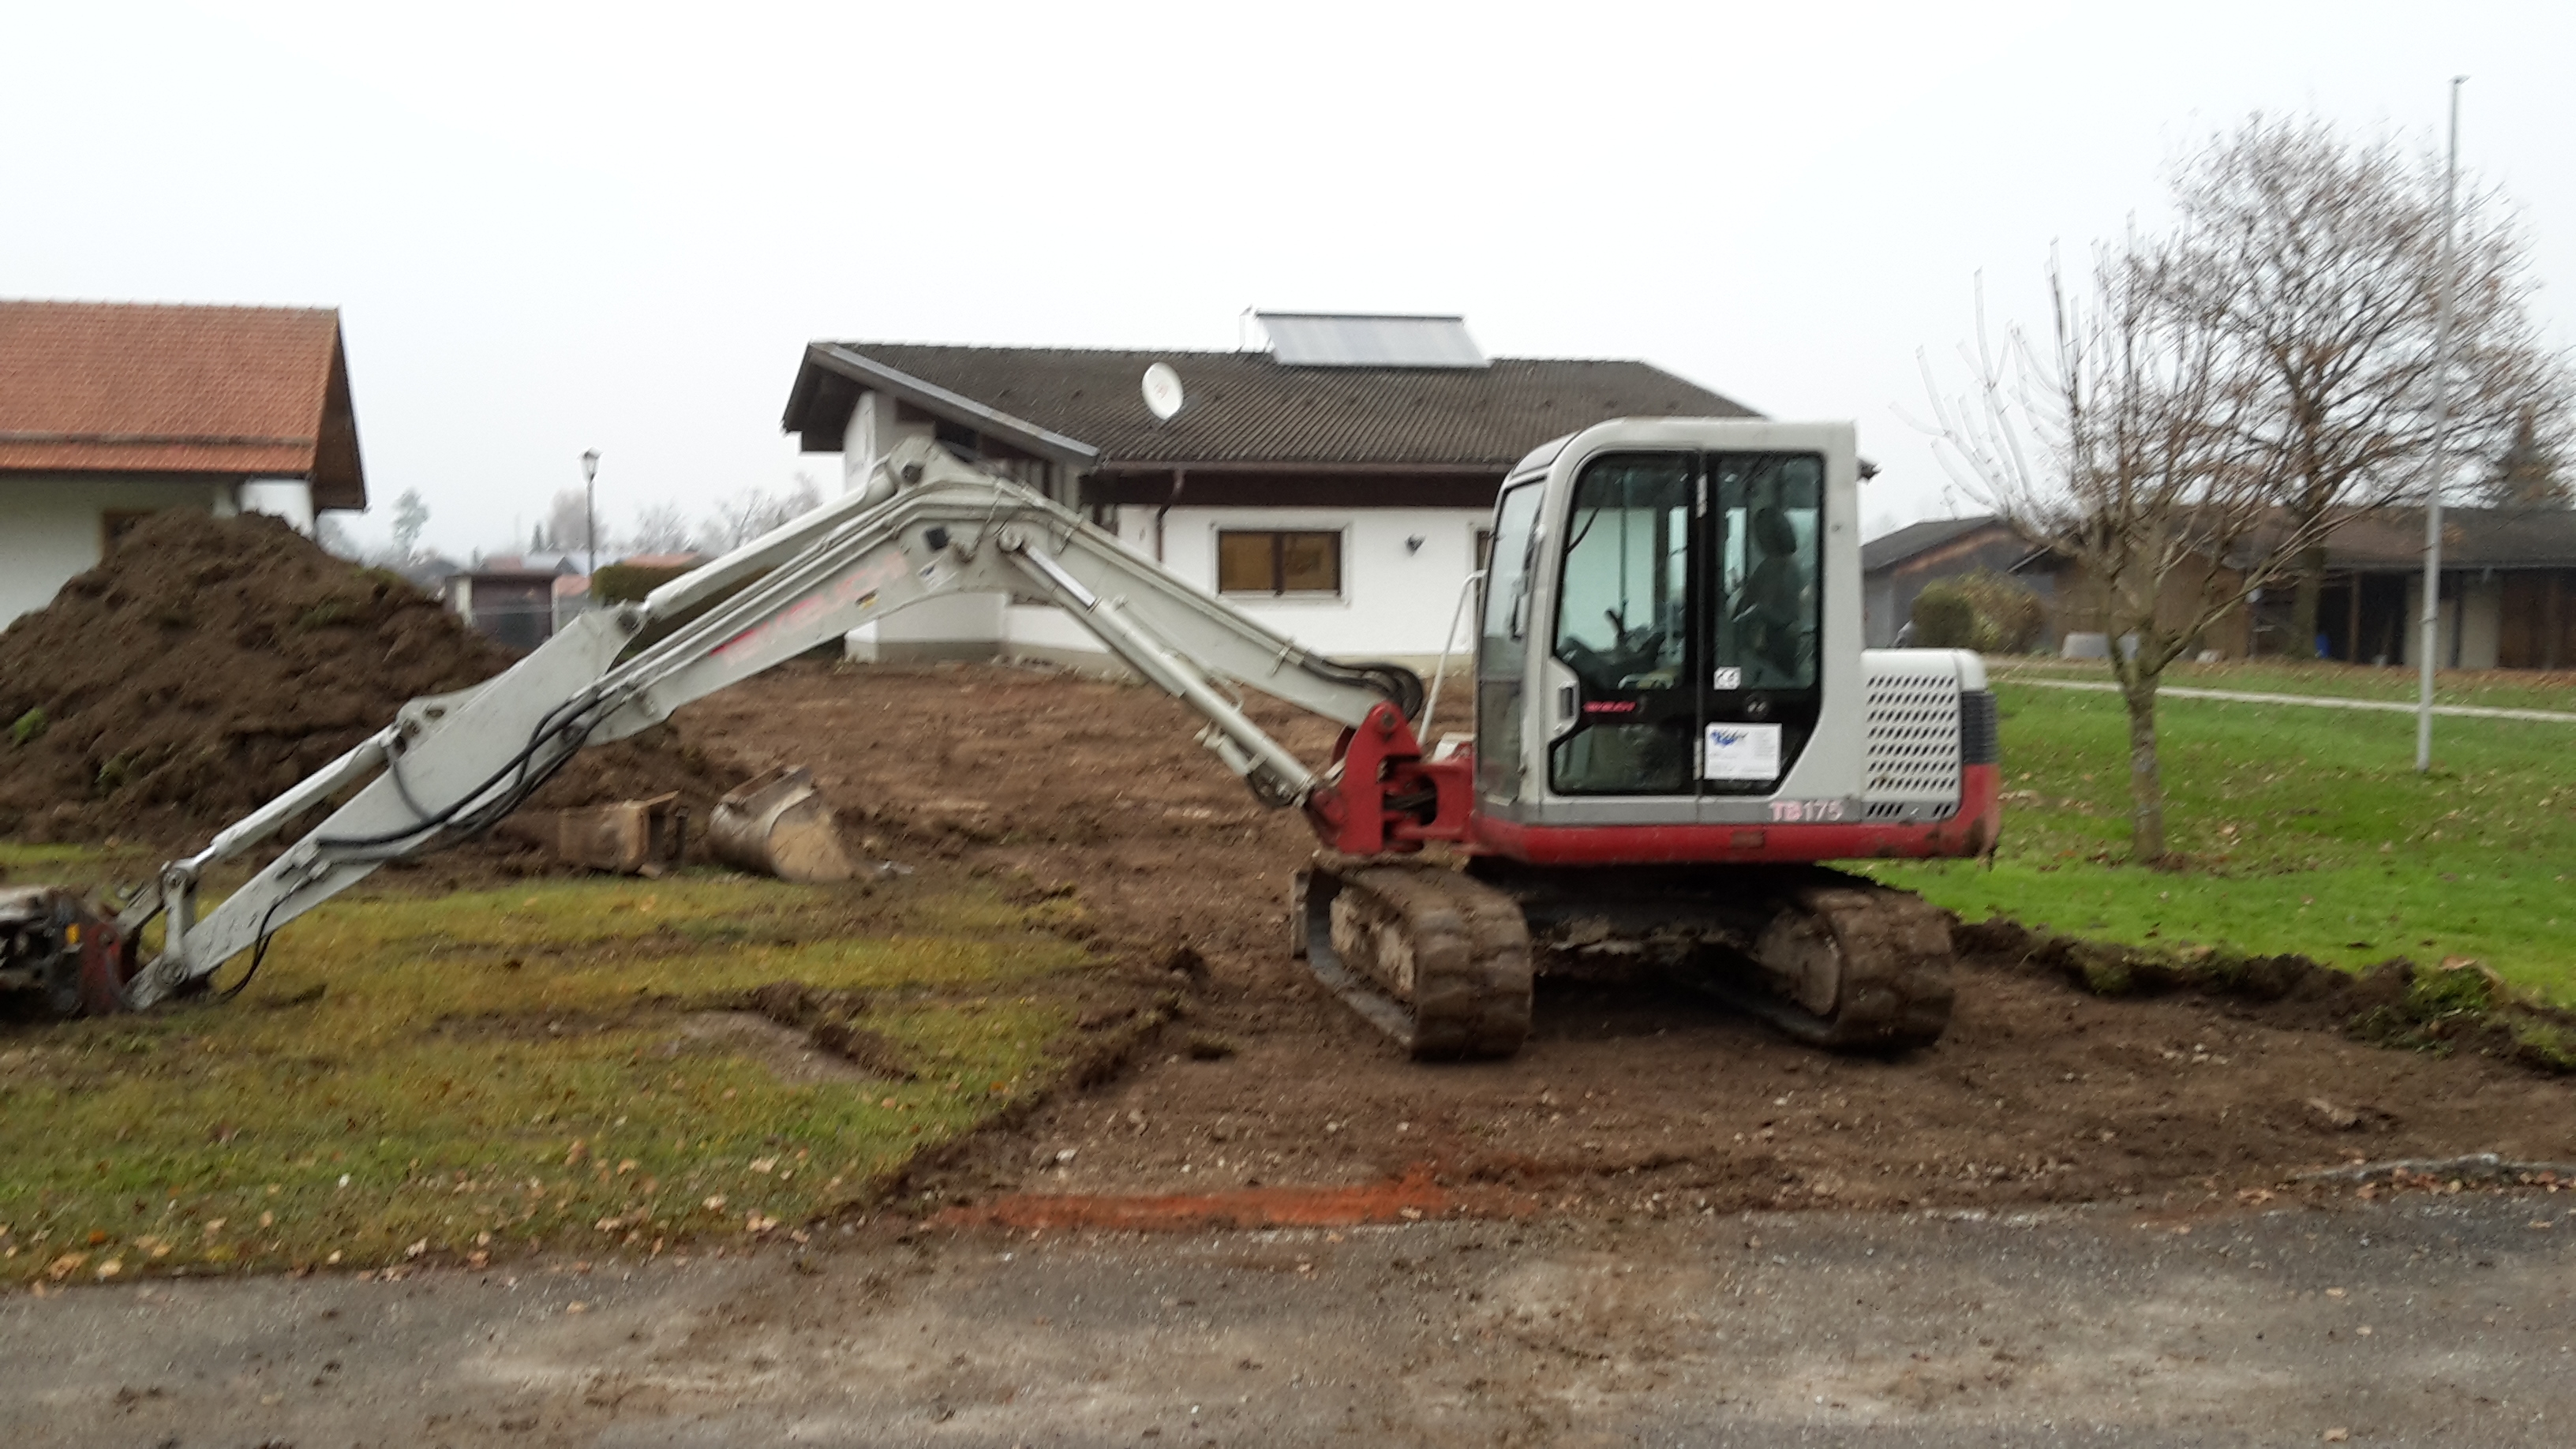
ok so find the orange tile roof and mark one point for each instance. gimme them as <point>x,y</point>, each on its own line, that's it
<point>237,392</point>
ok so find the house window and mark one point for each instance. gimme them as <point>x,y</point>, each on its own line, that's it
<point>1278,561</point>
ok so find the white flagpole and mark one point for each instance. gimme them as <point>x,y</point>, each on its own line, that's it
<point>2441,435</point>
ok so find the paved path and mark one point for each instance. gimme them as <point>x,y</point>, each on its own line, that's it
<point>2428,1319</point>
<point>2245,696</point>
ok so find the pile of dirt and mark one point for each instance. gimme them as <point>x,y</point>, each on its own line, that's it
<point>210,663</point>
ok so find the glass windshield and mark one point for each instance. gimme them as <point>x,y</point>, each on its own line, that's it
<point>1623,621</point>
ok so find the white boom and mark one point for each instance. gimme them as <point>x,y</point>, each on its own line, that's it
<point>925,524</point>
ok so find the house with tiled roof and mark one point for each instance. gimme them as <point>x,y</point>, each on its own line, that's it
<point>1337,484</point>
<point>109,411</point>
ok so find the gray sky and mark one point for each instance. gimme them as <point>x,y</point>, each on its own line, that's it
<point>551,228</point>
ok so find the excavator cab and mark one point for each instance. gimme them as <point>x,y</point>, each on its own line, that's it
<point>1664,626</point>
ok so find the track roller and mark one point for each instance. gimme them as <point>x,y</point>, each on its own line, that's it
<point>1436,960</point>
<point>1854,966</point>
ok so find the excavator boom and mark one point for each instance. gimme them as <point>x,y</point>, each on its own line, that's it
<point>925,525</point>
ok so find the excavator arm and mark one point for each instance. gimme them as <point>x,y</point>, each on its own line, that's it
<point>925,524</point>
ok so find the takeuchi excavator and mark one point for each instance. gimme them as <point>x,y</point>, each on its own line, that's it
<point>1675,727</point>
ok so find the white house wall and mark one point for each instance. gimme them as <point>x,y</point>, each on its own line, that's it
<point>288,498</point>
<point>53,528</point>
<point>1395,601</point>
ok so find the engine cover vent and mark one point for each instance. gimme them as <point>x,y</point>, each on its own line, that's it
<point>1911,752</point>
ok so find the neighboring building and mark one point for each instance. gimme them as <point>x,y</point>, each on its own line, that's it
<point>521,599</point>
<point>1337,487</point>
<point>2507,601</point>
<point>2508,595</point>
<point>110,411</point>
<point>510,598</point>
<point>1895,567</point>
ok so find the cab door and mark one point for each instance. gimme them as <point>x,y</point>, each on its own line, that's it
<point>1762,688</point>
<point>1625,632</point>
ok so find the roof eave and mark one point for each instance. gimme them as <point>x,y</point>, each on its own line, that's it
<point>339,476</point>
<point>930,397</point>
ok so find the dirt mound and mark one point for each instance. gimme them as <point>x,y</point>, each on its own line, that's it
<point>208,664</point>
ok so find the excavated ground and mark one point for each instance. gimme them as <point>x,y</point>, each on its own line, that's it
<point>1628,1100</point>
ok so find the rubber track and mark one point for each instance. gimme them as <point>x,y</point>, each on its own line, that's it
<point>1470,956</point>
<point>1895,991</point>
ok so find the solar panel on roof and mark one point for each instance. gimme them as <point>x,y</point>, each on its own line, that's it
<point>1331,339</point>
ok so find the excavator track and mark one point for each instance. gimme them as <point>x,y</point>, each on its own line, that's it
<point>1853,967</point>
<point>1829,959</point>
<point>1435,959</point>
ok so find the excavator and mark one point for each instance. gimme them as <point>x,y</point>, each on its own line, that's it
<point>1676,728</point>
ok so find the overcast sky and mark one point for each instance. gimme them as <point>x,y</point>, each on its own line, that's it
<point>551,228</point>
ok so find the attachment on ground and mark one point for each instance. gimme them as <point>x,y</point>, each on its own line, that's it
<point>629,837</point>
<point>64,949</point>
<point>777,824</point>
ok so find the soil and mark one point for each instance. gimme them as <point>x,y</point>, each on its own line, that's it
<point>210,663</point>
<point>1629,1099</point>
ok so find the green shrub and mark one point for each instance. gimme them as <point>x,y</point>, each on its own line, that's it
<point>2010,617</point>
<point>28,726</point>
<point>626,583</point>
<point>1986,611</point>
<point>1944,618</point>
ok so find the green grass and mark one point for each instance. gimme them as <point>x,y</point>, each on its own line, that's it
<point>2490,689</point>
<point>2298,830</point>
<point>491,1071</point>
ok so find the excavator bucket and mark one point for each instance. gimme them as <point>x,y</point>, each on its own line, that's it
<point>64,949</point>
<point>777,824</point>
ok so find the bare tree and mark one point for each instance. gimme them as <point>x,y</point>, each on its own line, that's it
<point>662,528</point>
<point>567,523</point>
<point>2319,259</point>
<point>2127,448</point>
<point>411,515</point>
<point>2526,475</point>
<point>741,517</point>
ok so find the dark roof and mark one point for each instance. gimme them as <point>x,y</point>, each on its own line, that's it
<point>227,392</point>
<point>2393,538</point>
<point>1917,538</point>
<point>1244,407</point>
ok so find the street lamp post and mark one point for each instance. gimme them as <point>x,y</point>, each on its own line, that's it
<point>590,509</point>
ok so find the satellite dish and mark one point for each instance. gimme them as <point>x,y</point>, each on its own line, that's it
<point>1162,391</point>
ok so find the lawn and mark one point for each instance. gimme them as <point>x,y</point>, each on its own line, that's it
<point>2486,688</point>
<point>562,1063</point>
<point>2299,830</point>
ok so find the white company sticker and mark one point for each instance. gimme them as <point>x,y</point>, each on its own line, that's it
<point>1742,752</point>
